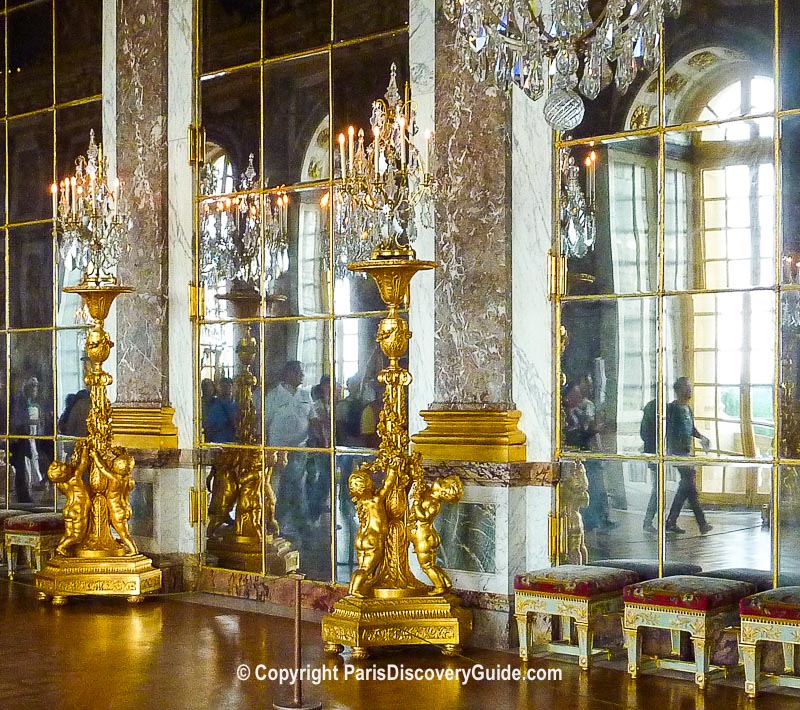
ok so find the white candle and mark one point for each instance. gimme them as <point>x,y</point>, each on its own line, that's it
<point>351,135</point>
<point>54,194</point>
<point>427,166</point>
<point>341,155</point>
<point>402,123</point>
<point>74,184</point>
<point>376,149</point>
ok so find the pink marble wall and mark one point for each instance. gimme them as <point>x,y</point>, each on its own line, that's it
<point>142,342</point>
<point>473,237</point>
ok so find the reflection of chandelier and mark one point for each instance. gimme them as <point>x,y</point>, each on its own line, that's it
<point>230,234</point>
<point>578,227</point>
<point>519,44</point>
<point>86,216</point>
<point>384,183</point>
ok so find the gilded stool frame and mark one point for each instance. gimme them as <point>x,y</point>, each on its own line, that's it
<point>756,629</point>
<point>582,611</point>
<point>700,625</point>
<point>40,543</point>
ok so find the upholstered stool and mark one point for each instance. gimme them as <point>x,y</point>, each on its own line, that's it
<point>648,569</point>
<point>760,579</point>
<point>5,515</point>
<point>700,606</point>
<point>576,593</point>
<point>770,616</point>
<point>38,531</point>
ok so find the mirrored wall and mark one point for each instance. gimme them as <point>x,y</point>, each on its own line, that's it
<point>51,68</point>
<point>679,356</point>
<point>286,358</point>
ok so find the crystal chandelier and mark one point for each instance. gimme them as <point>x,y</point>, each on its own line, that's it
<point>230,234</point>
<point>87,220</point>
<point>580,50</point>
<point>384,185</point>
<point>578,227</point>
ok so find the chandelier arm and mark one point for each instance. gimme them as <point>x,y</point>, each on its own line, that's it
<point>551,41</point>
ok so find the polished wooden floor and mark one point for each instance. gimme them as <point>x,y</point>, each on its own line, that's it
<point>182,652</point>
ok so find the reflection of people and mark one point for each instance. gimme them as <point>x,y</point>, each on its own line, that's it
<point>680,432</point>
<point>424,509</point>
<point>26,420</point>
<point>220,418</point>
<point>318,475</point>
<point>208,395</point>
<point>72,421</point>
<point>648,430</point>
<point>287,410</point>
<point>581,431</point>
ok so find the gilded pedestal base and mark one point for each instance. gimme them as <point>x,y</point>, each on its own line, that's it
<point>403,621</point>
<point>129,576</point>
<point>484,436</point>
<point>245,553</point>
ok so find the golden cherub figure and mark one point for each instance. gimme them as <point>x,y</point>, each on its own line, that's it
<point>575,495</point>
<point>119,485</point>
<point>68,477</point>
<point>374,523</point>
<point>426,503</point>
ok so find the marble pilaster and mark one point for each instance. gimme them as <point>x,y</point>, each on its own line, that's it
<point>179,218</point>
<point>531,237</point>
<point>422,58</point>
<point>141,98</point>
<point>473,284</point>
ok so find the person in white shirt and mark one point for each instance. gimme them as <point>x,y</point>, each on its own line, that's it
<point>288,411</point>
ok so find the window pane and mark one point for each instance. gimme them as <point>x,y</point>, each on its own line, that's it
<point>296,125</point>
<point>351,21</point>
<point>734,199</point>
<point>30,258</point>
<point>79,34</point>
<point>610,367</point>
<point>230,33</point>
<point>288,30</point>
<point>723,345</point>
<point>30,58</point>
<point>31,413</point>
<point>30,164</point>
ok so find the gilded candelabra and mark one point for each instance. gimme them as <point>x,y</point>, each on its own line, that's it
<point>384,184</point>
<point>242,235</point>
<point>240,477</point>
<point>387,604</point>
<point>376,205</point>
<point>96,555</point>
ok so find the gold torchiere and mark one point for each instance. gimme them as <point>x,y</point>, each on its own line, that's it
<point>242,476</point>
<point>97,480</point>
<point>387,605</point>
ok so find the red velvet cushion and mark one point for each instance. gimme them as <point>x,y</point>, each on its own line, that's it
<point>575,580</point>
<point>688,592</point>
<point>6,514</point>
<point>36,522</point>
<point>780,603</point>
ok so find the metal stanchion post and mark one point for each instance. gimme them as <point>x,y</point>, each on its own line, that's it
<point>297,697</point>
